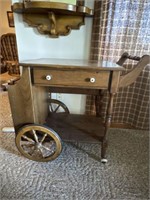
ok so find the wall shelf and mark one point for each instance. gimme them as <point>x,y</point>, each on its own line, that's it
<point>53,19</point>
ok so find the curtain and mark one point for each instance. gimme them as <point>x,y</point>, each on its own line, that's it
<point>123,26</point>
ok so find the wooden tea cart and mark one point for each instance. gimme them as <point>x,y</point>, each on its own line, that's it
<point>38,122</point>
<point>39,125</point>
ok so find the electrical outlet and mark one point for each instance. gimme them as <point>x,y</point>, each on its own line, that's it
<point>59,96</point>
<point>49,95</point>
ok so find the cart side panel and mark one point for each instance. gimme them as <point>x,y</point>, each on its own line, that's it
<point>40,103</point>
<point>25,106</point>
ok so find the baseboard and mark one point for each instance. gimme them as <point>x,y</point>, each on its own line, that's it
<point>122,125</point>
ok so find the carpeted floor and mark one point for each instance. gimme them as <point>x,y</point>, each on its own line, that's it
<point>77,174</point>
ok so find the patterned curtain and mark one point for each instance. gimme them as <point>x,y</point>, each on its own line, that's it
<point>123,26</point>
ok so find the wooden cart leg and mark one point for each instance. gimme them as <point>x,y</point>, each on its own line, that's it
<point>107,126</point>
<point>98,103</point>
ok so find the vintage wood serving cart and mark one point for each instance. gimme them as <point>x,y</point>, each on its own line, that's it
<point>39,125</point>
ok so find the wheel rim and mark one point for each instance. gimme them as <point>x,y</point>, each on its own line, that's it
<point>56,106</point>
<point>38,143</point>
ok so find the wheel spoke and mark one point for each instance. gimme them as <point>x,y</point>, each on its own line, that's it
<point>56,109</point>
<point>43,138</point>
<point>27,138</point>
<point>40,151</point>
<point>50,147</point>
<point>51,107</point>
<point>35,136</point>
<point>46,148</point>
<point>36,152</point>
<point>57,106</point>
<point>28,145</point>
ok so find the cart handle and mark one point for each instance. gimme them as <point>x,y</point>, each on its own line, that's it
<point>131,76</point>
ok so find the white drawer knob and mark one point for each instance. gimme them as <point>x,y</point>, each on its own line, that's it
<point>92,80</point>
<point>48,77</point>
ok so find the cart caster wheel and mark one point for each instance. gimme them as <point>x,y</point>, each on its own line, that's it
<point>104,160</point>
<point>56,106</point>
<point>38,143</point>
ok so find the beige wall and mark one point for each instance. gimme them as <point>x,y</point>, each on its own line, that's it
<point>5,5</point>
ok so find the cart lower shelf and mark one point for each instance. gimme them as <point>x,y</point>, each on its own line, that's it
<point>74,127</point>
<point>44,142</point>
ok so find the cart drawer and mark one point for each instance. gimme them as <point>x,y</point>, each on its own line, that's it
<point>71,78</point>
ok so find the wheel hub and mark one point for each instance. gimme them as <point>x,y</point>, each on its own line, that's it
<point>38,145</point>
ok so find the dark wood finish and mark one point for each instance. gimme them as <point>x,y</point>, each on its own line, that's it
<point>130,77</point>
<point>98,102</point>
<point>40,95</point>
<point>107,125</point>
<point>74,90</point>
<point>9,53</point>
<point>26,101</point>
<point>72,64</point>
<point>80,3</point>
<point>9,47</point>
<point>10,18</point>
<point>76,127</point>
<point>114,81</point>
<point>51,18</point>
<point>71,78</point>
<point>126,56</point>
<point>29,96</point>
<point>20,96</point>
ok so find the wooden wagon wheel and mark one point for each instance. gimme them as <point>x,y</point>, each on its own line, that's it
<point>56,106</point>
<point>38,143</point>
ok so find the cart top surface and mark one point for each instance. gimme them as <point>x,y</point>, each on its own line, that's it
<point>71,64</point>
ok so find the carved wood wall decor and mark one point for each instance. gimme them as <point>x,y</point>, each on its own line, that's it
<point>53,19</point>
